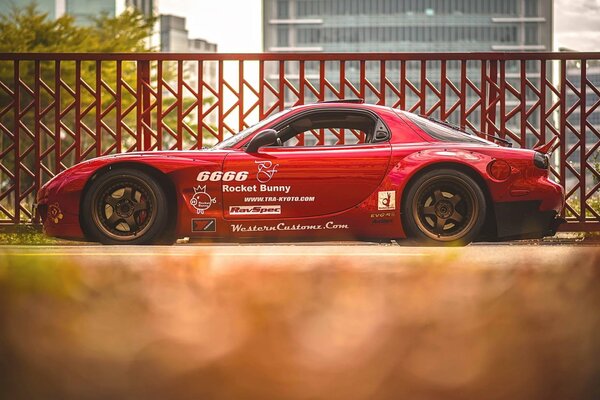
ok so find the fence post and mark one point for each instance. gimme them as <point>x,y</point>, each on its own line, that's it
<point>144,117</point>
<point>493,99</point>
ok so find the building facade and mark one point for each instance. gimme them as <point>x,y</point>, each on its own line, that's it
<point>407,25</point>
<point>411,26</point>
<point>49,7</point>
<point>174,38</point>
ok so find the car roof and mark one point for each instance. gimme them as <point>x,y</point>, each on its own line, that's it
<point>341,103</point>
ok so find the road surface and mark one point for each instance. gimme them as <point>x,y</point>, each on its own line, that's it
<point>505,255</point>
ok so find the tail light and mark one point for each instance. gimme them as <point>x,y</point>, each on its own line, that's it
<point>499,170</point>
<point>541,160</point>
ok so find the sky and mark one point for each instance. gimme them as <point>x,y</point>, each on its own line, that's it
<point>577,24</point>
<point>235,25</point>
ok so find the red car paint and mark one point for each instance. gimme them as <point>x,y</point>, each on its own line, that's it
<point>320,193</point>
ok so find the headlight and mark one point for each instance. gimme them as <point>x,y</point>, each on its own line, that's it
<point>541,160</point>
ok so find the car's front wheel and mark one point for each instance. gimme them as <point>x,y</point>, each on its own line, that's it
<point>125,206</point>
<point>444,207</point>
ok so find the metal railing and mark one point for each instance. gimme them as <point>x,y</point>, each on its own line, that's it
<point>59,109</point>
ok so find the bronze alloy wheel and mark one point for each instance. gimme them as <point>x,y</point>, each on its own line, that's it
<point>445,207</point>
<point>125,207</point>
<point>444,210</point>
<point>124,210</point>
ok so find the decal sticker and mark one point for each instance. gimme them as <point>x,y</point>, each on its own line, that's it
<point>201,200</point>
<point>204,225</point>
<point>280,199</point>
<point>386,200</point>
<point>266,170</point>
<point>254,210</point>
<point>282,226</point>
<point>217,176</point>
<point>387,214</point>
<point>257,188</point>
<point>54,213</point>
<point>384,217</point>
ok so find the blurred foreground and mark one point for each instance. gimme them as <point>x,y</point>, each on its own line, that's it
<point>300,322</point>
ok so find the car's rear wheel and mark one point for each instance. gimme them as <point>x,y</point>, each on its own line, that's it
<point>444,207</point>
<point>125,206</point>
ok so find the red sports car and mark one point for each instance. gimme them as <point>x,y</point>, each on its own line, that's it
<point>397,175</point>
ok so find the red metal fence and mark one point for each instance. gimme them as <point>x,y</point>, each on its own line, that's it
<point>59,109</point>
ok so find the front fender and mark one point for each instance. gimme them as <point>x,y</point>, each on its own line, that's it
<point>60,199</point>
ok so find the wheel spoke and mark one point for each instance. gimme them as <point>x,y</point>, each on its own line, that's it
<point>113,220</point>
<point>437,195</point>
<point>456,216</point>
<point>455,199</point>
<point>439,225</point>
<point>131,223</point>
<point>140,206</point>
<point>111,201</point>
<point>429,210</point>
<point>128,194</point>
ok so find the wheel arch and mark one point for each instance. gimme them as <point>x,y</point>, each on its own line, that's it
<point>488,230</point>
<point>162,179</point>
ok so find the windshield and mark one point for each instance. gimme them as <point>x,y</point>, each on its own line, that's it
<point>444,133</point>
<point>235,139</point>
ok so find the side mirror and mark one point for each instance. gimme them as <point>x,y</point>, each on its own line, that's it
<point>264,138</point>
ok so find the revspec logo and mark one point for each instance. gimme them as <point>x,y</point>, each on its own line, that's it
<point>225,176</point>
<point>266,170</point>
<point>254,210</point>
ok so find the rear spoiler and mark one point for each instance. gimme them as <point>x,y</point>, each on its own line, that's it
<point>546,148</point>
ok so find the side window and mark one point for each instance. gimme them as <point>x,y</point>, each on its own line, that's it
<point>331,136</point>
<point>332,128</point>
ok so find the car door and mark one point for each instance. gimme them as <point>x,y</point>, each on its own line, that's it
<point>298,182</point>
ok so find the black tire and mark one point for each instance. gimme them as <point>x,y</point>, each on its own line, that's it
<point>444,207</point>
<point>125,206</point>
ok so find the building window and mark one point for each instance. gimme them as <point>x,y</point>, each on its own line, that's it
<point>531,8</point>
<point>531,34</point>
<point>283,36</point>
<point>283,9</point>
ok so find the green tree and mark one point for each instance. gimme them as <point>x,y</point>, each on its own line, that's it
<point>27,30</point>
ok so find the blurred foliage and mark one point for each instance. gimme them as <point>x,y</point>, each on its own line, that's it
<point>29,30</point>
<point>26,238</point>
<point>592,203</point>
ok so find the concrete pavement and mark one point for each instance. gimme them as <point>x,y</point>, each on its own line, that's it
<point>307,254</point>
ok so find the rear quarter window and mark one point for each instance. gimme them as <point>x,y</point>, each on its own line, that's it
<point>443,133</point>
